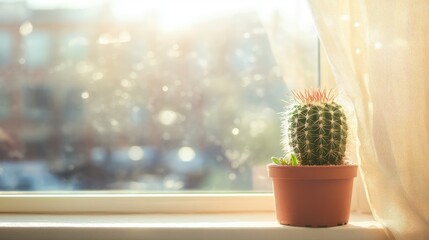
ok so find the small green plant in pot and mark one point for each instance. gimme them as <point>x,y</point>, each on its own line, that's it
<point>312,183</point>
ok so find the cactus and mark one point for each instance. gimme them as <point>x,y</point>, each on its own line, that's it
<point>316,127</point>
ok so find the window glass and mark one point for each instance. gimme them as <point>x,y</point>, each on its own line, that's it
<point>5,103</point>
<point>5,48</point>
<point>143,95</point>
<point>74,47</point>
<point>38,103</point>
<point>37,49</point>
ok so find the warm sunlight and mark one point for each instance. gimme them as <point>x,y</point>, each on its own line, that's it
<point>148,95</point>
<point>176,15</point>
<point>171,15</point>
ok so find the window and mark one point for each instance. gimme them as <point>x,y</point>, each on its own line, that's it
<point>37,48</point>
<point>146,96</point>
<point>5,48</point>
<point>74,47</point>
<point>4,104</point>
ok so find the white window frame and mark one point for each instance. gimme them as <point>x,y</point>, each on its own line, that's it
<point>81,202</point>
<point>125,202</point>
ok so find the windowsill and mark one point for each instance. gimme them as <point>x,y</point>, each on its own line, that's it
<point>177,226</point>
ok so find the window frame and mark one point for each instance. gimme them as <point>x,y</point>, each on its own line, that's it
<point>95,202</point>
<point>103,202</point>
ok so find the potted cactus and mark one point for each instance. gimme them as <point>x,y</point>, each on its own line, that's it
<point>313,182</point>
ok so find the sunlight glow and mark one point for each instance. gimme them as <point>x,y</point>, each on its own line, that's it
<point>135,153</point>
<point>235,131</point>
<point>62,4</point>
<point>85,95</point>
<point>167,117</point>
<point>175,15</point>
<point>377,45</point>
<point>171,15</point>
<point>106,38</point>
<point>186,154</point>
<point>26,28</point>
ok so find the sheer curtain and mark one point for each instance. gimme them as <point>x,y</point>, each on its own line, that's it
<point>293,41</point>
<point>379,55</point>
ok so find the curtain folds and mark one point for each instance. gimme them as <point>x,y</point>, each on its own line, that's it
<point>379,54</point>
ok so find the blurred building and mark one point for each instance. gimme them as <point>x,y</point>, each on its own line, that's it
<point>106,104</point>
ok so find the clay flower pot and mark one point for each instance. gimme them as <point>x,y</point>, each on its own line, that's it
<point>312,196</point>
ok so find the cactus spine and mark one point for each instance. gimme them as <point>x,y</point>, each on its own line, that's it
<point>317,128</point>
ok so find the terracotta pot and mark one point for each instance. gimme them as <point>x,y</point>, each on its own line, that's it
<point>312,196</point>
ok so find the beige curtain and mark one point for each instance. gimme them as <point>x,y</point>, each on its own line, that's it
<point>293,41</point>
<point>379,55</point>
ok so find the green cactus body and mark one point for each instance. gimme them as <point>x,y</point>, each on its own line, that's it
<point>317,132</point>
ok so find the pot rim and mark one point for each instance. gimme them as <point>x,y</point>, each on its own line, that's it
<point>313,172</point>
<point>313,166</point>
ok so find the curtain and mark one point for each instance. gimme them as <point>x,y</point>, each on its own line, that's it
<point>379,55</point>
<point>293,41</point>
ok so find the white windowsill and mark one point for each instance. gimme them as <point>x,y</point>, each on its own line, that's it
<point>176,226</point>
